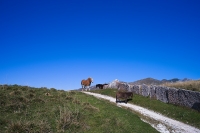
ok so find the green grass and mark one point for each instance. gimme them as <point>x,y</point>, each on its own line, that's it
<point>186,115</point>
<point>26,109</point>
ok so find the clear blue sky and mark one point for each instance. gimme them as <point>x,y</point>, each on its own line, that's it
<point>57,43</point>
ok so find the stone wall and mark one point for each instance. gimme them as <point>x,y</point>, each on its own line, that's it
<point>175,96</point>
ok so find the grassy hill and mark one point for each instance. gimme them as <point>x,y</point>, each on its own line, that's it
<point>26,109</point>
<point>147,81</point>
<point>152,81</point>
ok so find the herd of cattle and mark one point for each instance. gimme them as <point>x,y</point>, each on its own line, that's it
<point>120,95</point>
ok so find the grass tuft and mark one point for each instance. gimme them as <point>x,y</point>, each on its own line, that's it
<point>38,100</point>
<point>28,127</point>
<point>76,101</point>
<point>30,95</point>
<point>91,108</point>
<point>69,98</point>
<point>68,120</point>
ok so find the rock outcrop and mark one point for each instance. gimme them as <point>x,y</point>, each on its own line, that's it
<point>114,84</point>
<point>175,96</point>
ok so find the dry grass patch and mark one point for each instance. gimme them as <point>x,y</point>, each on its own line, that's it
<point>68,119</point>
<point>28,127</point>
<point>193,85</point>
<point>91,108</point>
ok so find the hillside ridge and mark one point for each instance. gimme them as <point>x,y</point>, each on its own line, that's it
<point>152,81</point>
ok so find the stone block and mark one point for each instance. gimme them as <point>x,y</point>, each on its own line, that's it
<point>162,93</point>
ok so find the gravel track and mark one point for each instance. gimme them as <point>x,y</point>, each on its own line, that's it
<point>161,123</point>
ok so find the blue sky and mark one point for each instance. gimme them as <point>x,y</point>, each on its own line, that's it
<point>56,44</point>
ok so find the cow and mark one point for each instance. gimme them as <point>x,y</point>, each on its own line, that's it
<point>100,86</point>
<point>85,83</point>
<point>124,95</point>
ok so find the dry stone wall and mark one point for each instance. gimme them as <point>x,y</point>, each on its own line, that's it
<point>175,96</point>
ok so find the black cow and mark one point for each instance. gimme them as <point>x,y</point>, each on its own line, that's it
<point>100,86</point>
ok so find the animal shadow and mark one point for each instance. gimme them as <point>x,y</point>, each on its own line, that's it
<point>123,101</point>
<point>196,106</point>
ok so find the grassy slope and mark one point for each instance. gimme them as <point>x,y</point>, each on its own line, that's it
<point>25,109</point>
<point>186,115</point>
<point>193,85</point>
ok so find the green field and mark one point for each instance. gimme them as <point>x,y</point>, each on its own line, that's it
<point>25,109</point>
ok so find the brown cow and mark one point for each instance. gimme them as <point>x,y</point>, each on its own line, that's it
<point>85,83</point>
<point>124,95</point>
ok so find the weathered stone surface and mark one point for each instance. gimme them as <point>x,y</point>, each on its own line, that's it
<point>189,99</point>
<point>195,101</point>
<point>131,88</point>
<point>122,86</point>
<point>162,93</point>
<point>136,89</point>
<point>152,92</point>
<point>173,96</point>
<point>125,87</point>
<point>114,84</point>
<point>145,90</point>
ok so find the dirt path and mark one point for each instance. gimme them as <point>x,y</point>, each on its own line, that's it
<point>161,123</point>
